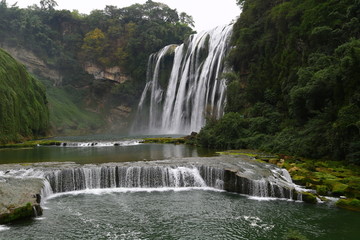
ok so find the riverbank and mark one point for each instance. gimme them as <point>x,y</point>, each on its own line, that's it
<point>325,177</point>
<point>32,143</point>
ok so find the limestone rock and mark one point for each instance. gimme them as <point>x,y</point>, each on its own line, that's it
<point>20,198</point>
<point>113,74</point>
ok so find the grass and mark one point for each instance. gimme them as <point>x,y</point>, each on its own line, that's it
<point>32,143</point>
<point>66,117</point>
<point>166,140</point>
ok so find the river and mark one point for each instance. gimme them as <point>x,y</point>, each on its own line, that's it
<point>165,213</point>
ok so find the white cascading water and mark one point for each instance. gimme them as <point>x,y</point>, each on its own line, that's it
<point>130,177</point>
<point>194,90</point>
<point>146,176</point>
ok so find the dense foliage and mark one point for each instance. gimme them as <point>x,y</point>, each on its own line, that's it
<point>23,105</point>
<point>296,82</point>
<point>67,41</point>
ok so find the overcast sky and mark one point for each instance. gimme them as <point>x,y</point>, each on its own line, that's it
<point>207,14</point>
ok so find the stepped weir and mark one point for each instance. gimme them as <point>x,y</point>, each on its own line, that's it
<point>233,174</point>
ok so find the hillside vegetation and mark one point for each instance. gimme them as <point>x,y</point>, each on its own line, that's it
<point>67,41</point>
<point>295,88</point>
<point>23,106</point>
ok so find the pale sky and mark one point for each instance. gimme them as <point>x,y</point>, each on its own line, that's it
<point>207,14</point>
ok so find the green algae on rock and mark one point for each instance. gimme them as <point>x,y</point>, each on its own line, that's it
<point>20,198</point>
<point>350,204</point>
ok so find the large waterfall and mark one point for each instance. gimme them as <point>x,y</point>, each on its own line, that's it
<point>178,101</point>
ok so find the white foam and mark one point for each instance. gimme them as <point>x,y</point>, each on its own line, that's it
<point>133,190</point>
<point>22,173</point>
<point>332,199</point>
<point>256,198</point>
<point>257,223</point>
<point>263,198</point>
<point>3,228</point>
<point>101,144</point>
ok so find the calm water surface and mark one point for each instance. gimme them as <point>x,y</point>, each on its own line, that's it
<point>129,150</point>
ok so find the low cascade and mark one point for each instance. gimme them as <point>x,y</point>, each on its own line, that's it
<point>100,144</point>
<point>244,178</point>
<point>179,101</point>
<point>73,179</point>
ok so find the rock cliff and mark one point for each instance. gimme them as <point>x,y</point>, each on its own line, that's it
<point>33,63</point>
<point>113,74</point>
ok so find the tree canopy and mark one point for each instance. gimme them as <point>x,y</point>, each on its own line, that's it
<point>296,79</point>
<point>67,41</point>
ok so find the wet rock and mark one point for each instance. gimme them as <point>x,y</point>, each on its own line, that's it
<point>20,199</point>
<point>309,197</point>
<point>350,204</point>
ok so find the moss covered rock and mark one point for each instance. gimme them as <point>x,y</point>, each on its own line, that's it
<point>350,203</point>
<point>339,189</point>
<point>26,211</point>
<point>309,197</point>
<point>19,198</point>
<point>322,189</point>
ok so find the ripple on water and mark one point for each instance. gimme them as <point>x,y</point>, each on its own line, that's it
<point>189,214</point>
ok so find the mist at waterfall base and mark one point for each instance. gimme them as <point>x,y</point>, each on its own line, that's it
<point>187,214</point>
<point>185,85</point>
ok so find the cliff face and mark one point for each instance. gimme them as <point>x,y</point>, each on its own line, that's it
<point>69,114</point>
<point>37,66</point>
<point>23,106</point>
<point>113,74</point>
<point>34,64</point>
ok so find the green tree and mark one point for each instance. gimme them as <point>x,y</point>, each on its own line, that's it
<point>94,45</point>
<point>48,4</point>
<point>186,19</point>
<point>296,63</point>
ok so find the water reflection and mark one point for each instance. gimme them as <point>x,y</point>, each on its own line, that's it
<point>84,155</point>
